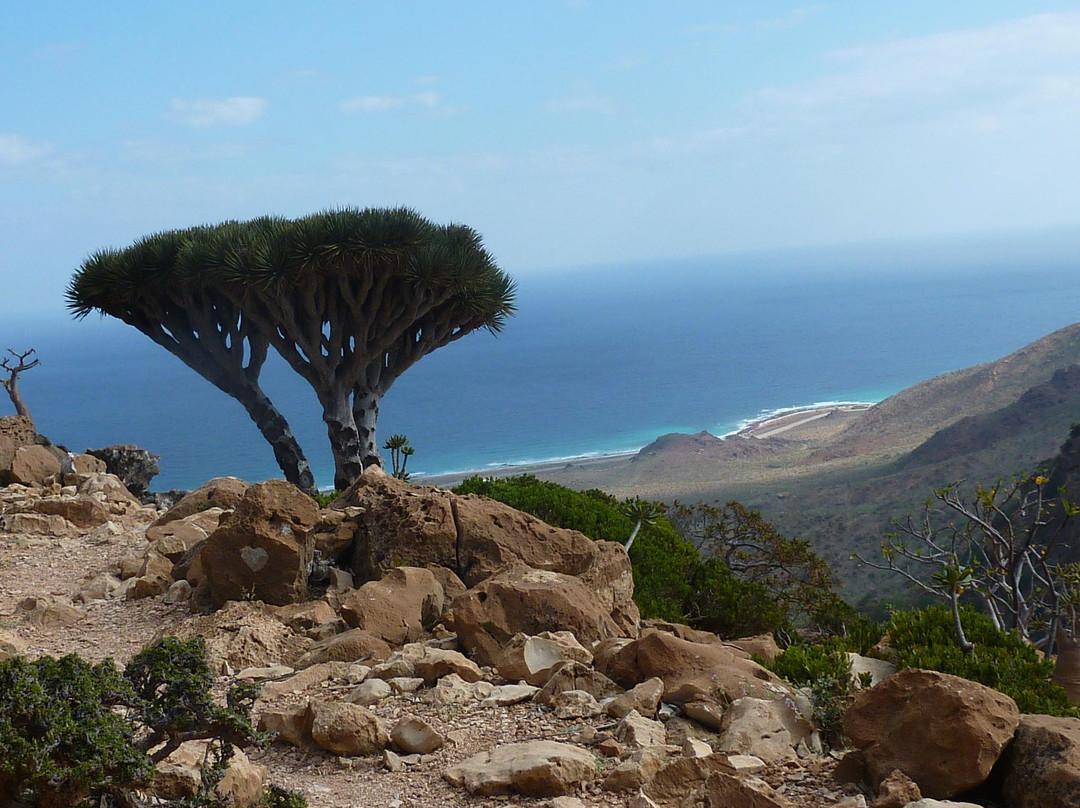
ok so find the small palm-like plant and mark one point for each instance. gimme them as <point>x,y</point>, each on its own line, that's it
<point>643,512</point>
<point>400,452</point>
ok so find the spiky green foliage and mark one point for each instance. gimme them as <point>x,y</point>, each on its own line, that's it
<point>350,298</point>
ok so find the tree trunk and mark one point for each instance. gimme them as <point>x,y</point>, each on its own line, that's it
<point>344,439</point>
<point>958,626</point>
<point>633,535</point>
<point>1067,668</point>
<point>273,426</point>
<point>365,415</point>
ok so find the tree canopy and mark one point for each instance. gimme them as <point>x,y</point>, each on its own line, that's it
<point>349,298</point>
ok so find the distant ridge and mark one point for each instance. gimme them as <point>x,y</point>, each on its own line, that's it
<point>902,422</point>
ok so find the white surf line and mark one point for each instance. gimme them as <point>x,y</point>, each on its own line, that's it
<point>786,427</point>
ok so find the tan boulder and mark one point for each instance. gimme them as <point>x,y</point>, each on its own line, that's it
<point>36,524</point>
<point>220,492</point>
<point>575,676</point>
<point>571,704</point>
<point>11,645</point>
<point>526,600</point>
<point>766,728</point>
<point>19,429</point>
<point>398,607</point>
<point>348,729</point>
<point>355,645</point>
<point>46,612</point>
<point>290,724</point>
<point>180,775</point>
<point>943,732</point>
<point>307,615</point>
<point>532,659</point>
<point>475,537</point>
<point>413,735</point>
<point>304,679</point>
<point>7,454</point>
<point>896,791</point>
<point>644,698</point>
<point>636,732</point>
<point>723,790</point>
<point>437,663</point>
<point>762,646</point>
<point>175,539</point>
<point>1043,764</point>
<point>263,548</point>
<point>110,489</point>
<point>33,465</point>
<point>81,511</point>
<point>533,768</point>
<point>242,635</point>
<point>676,780</point>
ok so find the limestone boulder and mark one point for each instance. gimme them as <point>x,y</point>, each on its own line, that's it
<point>414,735</point>
<point>724,790</point>
<point>532,768</point>
<point>220,492</point>
<point>762,646</point>
<point>766,728</point>
<point>643,698</point>
<point>19,429</point>
<point>475,537</point>
<point>180,775</point>
<point>11,645</point>
<point>532,659</point>
<point>437,663</point>
<point>1043,763</point>
<point>177,538</point>
<point>525,600</point>
<point>398,607</point>
<point>263,548</point>
<point>81,510</point>
<point>290,724</point>
<point>7,454</point>
<point>242,635</point>
<point>944,732</point>
<point>355,645</point>
<point>691,670</point>
<point>576,676</point>
<point>110,490</point>
<point>348,729</point>
<point>32,465</point>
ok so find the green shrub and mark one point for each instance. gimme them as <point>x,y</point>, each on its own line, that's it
<point>277,797</point>
<point>824,670</point>
<point>925,638</point>
<point>71,732</point>
<point>61,736</point>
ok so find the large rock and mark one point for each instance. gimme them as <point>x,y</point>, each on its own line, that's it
<point>691,670</point>
<point>263,548</point>
<point>398,607</point>
<point>724,790</point>
<point>180,775</point>
<point>1043,763</point>
<point>220,492</point>
<point>400,523</point>
<point>82,510</point>
<point>32,465</point>
<point>355,645</point>
<point>533,768</point>
<point>7,454</point>
<point>19,429</point>
<point>943,732</point>
<point>766,728</point>
<point>530,601</point>
<point>241,635</point>
<point>134,466</point>
<point>532,659</point>
<point>348,729</point>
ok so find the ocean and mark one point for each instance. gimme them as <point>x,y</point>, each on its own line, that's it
<point>595,362</point>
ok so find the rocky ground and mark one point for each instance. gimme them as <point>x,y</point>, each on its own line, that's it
<point>50,582</point>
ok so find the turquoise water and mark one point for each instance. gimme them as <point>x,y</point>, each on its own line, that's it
<point>594,363</point>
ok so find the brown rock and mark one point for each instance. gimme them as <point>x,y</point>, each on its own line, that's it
<point>724,790</point>
<point>291,724</point>
<point>437,663</point>
<point>109,488</point>
<point>7,454</point>
<point>19,429</point>
<point>47,612</point>
<point>398,607</point>
<point>263,548</point>
<point>306,615</point>
<point>11,645</point>
<point>414,735</point>
<point>348,729</point>
<point>242,635</point>
<point>575,676</point>
<point>355,645</point>
<point>33,465</point>
<point>943,732</point>
<point>81,511</point>
<point>174,539</point>
<point>762,646</point>
<point>220,492</point>
<point>896,791</point>
<point>766,728</point>
<point>526,600</point>
<point>684,776</point>
<point>635,731</point>
<point>1043,763</point>
<point>532,659</point>
<point>180,775</point>
<point>534,768</point>
<point>643,698</point>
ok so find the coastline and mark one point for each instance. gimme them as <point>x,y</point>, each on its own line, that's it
<point>788,421</point>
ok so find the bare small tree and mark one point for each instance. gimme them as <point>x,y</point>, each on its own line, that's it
<point>22,362</point>
<point>998,546</point>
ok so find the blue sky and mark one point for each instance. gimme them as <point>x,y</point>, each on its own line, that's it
<point>568,133</point>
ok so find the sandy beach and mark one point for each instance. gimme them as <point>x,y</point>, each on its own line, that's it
<point>811,423</point>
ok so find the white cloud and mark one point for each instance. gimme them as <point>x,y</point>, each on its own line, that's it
<point>985,70</point>
<point>374,104</point>
<point>209,112</point>
<point>18,150</point>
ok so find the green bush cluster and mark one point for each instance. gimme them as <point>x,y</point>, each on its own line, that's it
<point>823,669</point>
<point>72,733</point>
<point>671,579</point>
<point>925,638</point>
